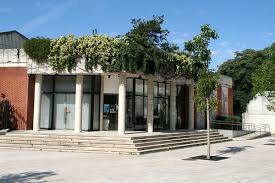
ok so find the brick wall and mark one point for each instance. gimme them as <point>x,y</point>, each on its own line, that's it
<point>16,88</point>
<point>230,101</point>
<point>219,100</point>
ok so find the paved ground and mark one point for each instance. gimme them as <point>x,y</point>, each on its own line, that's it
<point>247,161</point>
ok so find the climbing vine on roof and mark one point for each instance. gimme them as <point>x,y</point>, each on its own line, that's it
<point>144,48</point>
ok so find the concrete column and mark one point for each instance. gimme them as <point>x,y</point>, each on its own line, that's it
<point>173,108</point>
<point>37,102</point>
<point>121,103</point>
<point>78,103</point>
<point>101,104</point>
<point>191,113</point>
<point>150,104</point>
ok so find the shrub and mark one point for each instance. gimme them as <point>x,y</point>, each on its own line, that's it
<point>38,49</point>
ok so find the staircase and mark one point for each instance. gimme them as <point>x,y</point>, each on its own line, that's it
<point>127,144</point>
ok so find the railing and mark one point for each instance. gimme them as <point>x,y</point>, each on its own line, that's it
<point>237,126</point>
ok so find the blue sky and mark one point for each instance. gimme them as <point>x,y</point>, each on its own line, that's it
<point>241,24</point>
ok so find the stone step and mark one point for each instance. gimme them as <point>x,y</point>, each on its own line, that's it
<point>128,144</point>
<point>102,141</point>
<point>43,136</point>
<point>129,151</point>
<point>174,140</point>
<point>121,144</point>
<point>173,137</point>
<point>179,146</point>
<point>76,144</point>
<point>187,134</point>
<point>68,150</point>
<point>177,143</point>
<point>42,147</point>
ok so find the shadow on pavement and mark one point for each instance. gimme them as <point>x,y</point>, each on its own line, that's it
<point>203,157</point>
<point>234,150</point>
<point>218,157</point>
<point>26,177</point>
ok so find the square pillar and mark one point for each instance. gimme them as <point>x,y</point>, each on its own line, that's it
<point>173,108</point>
<point>121,103</point>
<point>150,104</point>
<point>191,113</point>
<point>78,103</point>
<point>37,102</point>
<point>101,120</point>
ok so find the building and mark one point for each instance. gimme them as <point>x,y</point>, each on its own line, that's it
<point>41,98</point>
<point>258,114</point>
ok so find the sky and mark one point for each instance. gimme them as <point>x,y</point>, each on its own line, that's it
<point>241,24</point>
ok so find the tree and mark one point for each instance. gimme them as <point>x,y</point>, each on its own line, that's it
<point>241,69</point>
<point>205,81</point>
<point>264,79</point>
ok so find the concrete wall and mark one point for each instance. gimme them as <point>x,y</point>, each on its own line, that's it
<point>232,133</point>
<point>13,58</point>
<point>111,83</point>
<point>257,113</point>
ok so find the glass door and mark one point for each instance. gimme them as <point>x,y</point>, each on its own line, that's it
<point>110,110</point>
<point>64,113</point>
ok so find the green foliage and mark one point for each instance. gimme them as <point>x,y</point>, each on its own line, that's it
<point>198,50</point>
<point>234,119</point>
<point>241,69</point>
<point>264,80</point>
<point>200,55</point>
<point>64,53</point>
<point>144,49</point>
<point>99,50</point>
<point>38,49</point>
<point>204,87</point>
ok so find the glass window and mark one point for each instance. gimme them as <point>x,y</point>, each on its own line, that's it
<point>139,107</point>
<point>96,84</point>
<point>139,87</point>
<point>155,89</point>
<point>47,85</point>
<point>129,85</point>
<point>87,84</point>
<point>65,84</point>
<point>167,89</point>
<point>162,89</point>
<point>145,87</point>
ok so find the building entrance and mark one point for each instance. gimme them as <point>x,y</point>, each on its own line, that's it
<point>110,112</point>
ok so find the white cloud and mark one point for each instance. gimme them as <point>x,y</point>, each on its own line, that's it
<point>268,34</point>
<point>53,14</point>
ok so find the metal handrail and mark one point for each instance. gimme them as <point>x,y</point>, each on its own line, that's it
<point>249,127</point>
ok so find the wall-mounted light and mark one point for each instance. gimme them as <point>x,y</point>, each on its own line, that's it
<point>109,76</point>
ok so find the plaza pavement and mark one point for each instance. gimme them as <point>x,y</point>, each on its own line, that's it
<point>247,162</point>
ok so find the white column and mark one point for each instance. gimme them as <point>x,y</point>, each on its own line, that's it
<point>150,103</point>
<point>37,102</point>
<point>121,103</point>
<point>191,108</point>
<point>78,103</point>
<point>101,103</point>
<point>173,108</point>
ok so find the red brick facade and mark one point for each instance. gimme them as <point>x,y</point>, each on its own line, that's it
<point>18,88</point>
<point>219,100</point>
<point>230,101</point>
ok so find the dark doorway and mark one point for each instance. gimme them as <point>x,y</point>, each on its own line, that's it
<point>182,102</point>
<point>110,110</point>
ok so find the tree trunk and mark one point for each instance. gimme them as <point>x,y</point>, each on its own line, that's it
<point>208,129</point>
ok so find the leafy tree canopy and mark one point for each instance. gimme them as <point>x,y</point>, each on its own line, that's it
<point>264,78</point>
<point>241,69</point>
